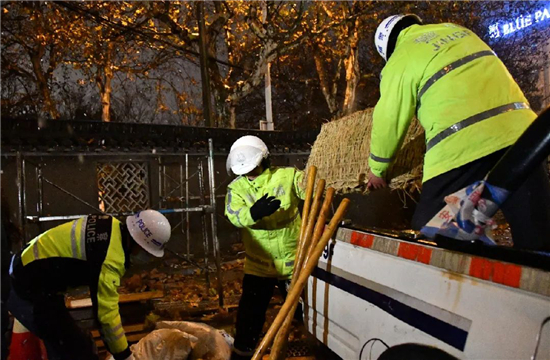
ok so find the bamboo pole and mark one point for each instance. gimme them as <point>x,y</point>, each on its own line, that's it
<point>311,174</point>
<point>294,293</point>
<point>278,350</point>
<point>320,226</point>
<point>305,241</point>
<point>305,215</point>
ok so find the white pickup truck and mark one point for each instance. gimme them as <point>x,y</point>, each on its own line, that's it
<point>370,292</point>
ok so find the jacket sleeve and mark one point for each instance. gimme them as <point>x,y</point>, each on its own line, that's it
<point>298,184</point>
<point>108,313</point>
<point>392,115</point>
<point>236,210</point>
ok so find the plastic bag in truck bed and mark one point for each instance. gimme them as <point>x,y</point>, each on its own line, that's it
<point>212,344</point>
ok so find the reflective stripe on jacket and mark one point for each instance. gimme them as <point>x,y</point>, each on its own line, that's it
<point>463,95</point>
<point>96,240</point>
<point>270,243</point>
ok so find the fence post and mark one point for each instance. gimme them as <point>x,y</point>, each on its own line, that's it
<point>203,222</point>
<point>21,194</point>
<point>213,219</point>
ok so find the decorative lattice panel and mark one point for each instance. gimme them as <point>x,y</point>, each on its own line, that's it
<point>123,186</point>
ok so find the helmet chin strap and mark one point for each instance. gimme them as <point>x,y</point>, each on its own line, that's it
<point>258,170</point>
<point>141,257</point>
<point>128,244</point>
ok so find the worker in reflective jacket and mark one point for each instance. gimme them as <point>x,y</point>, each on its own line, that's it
<point>94,250</point>
<point>471,110</point>
<point>263,202</point>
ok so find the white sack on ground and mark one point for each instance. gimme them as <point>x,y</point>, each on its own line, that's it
<point>164,344</point>
<point>212,344</point>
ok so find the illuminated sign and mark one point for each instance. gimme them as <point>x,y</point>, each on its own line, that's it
<point>519,23</point>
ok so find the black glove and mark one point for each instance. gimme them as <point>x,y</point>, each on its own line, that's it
<point>264,207</point>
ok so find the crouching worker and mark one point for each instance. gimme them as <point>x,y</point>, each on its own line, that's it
<point>94,250</point>
<point>263,202</point>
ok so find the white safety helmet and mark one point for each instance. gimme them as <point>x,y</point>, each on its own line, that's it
<point>246,154</point>
<point>151,230</point>
<point>384,30</point>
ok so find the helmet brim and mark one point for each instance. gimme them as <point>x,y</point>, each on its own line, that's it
<point>243,169</point>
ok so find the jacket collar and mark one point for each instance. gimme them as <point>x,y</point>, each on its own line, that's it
<point>262,179</point>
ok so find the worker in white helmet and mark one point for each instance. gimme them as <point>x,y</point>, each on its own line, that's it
<point>263,202</point>
<point>472,111</point>
<point>94,250</point>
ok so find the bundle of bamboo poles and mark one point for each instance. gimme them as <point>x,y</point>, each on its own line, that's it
<point>314,236</point>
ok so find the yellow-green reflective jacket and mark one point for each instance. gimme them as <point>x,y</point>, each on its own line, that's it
<point>463,95</point>
<point>270,243</point>
<point>86,251</point>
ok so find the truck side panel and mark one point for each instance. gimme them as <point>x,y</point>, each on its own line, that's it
<point>374,295</point>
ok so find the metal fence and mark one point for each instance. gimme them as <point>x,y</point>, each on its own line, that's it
<point>123,184</point>
<point>54,171</point>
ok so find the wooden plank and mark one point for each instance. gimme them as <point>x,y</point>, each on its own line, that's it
<point>130,312</point>
<point>127,329</point>
<point>132,338</point>
<point>266,357</point>
<point>187,310</point>
<point>123,298</point>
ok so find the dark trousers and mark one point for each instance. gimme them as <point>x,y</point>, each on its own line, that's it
<point>527,210</point>
<point>46,316</point>
<point>5,291</point>
<point>5,318</point>
<point>257,293</point>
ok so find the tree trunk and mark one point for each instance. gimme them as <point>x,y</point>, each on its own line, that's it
<point>205,73</point>
<point>219,109</point>
<point>219,87</point>
<point>328,88</point>
<point>352,72</point>
<point>232,117</point>
<point>105,86</point>
<point>267,54</point>
<point>42,82</point>
<point>220,94</point>
<point>106,98</point>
